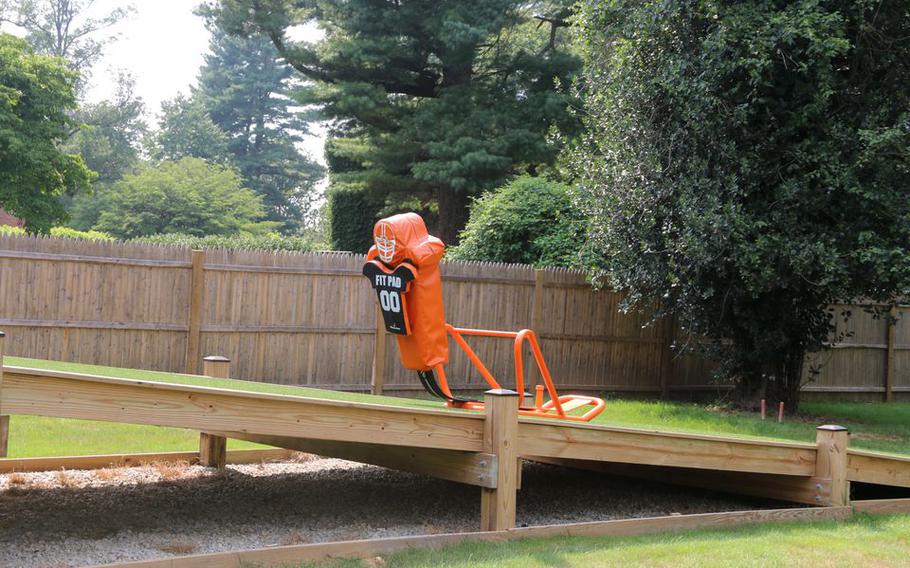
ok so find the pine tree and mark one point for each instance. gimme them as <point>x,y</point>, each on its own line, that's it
<point>438,100</point>
<point>247,91</point>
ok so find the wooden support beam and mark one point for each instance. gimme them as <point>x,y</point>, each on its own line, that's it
<point>204,409</point>
<point>881,469</point>
<point>378,377</point>
<point>831,462</point>
<point>194,312</point>
<point>882,506</point>
<point>497,505</point>
<point>213,448</point>
<point>472,468</point>
<point>323,551</point>
<point>538,437</point>
<point>134,460</point>
<point>793,488</point>
<point>666,357</point>
<point>4,418</point>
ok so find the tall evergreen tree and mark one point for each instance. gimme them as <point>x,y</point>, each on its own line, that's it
<point>246,89</point>
<point>438,100</point>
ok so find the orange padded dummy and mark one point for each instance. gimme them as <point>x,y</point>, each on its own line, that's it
<point>403,266</point>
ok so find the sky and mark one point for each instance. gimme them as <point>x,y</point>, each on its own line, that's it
<point>162,44</point>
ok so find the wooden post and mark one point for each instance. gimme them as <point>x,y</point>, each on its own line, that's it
<point>213,449</point>
<point>4,420</point>
<point>378,378</point>
<point>891,322</point>
<point>831,461</point>
<point>537,325</point>
<point>666,357</point>
<point>500,433</point>
<point>216,366</point>
<point>197,297</point>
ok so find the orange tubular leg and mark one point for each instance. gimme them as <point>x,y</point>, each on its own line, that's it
<point>556,402</point>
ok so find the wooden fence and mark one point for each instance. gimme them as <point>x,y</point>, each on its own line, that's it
<point>310,319</point>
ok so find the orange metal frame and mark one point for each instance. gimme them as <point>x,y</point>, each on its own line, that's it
<point>557,407</point>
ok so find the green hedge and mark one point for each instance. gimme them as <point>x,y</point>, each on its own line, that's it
<point>352,214</point>
<point>62,233</point>
<point>270,242</point>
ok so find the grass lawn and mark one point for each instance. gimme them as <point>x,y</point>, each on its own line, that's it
<point>863,541</point>
<point>875,426</point>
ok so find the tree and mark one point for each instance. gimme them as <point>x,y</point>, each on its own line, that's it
<point>246,90</point>
<point>62,28</point>
<point>190,196</point>
<point>36,97</point>
<point>186,130</point>
<point>440,99</point>
<point>746,166</point>
<point>108,140</point>
<point>529,220</point>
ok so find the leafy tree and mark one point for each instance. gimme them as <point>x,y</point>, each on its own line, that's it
<point>186,130</point>
<point>440,99</point>
<point>36,97</point>
<point>189,196</point>
<point>62,28</point>
<point>746,165</point>
<point>530,220</point>
<point>246,89</point>
<point>109,141</point>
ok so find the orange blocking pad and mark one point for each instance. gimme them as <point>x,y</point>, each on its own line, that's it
<point>403,268</point>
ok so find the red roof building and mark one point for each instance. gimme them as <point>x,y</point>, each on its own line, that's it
<point>7,219</point>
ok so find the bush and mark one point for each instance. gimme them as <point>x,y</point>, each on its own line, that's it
<point>189,196</point>
<point>530,221</point>
<point>352,214</point>
<point>269,242</point>
<point>61,233</point>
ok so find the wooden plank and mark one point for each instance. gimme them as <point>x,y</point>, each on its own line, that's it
<point>890,322</point>
<point>4,435</point>
<point>73,324</point>
<point>307,553</point>
<point>623,445</point>
<point>882,506</point>
<point>54,257</point>
<point>377,378</point>
<point>497,504</point>
<point>195,306</point>
<point>134,460</point>
<point>881,469</point>
<point>472,468</point>
<point>666,357</point>
<point>831,461</point>
<point>271,328</point>
<point>797,489</point>
<point>73,395</point>
<point>4,418</point>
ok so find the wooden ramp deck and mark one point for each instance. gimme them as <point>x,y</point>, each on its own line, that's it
<point>485,450</point>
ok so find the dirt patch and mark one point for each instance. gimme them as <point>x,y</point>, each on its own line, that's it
<point>152,512</point>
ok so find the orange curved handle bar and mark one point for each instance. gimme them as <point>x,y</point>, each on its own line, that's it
<point>555,404</point>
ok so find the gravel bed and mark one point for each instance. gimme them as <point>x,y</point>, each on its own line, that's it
<point>78,518</point>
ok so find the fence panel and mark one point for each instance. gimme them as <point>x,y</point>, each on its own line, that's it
<point>310,319</point>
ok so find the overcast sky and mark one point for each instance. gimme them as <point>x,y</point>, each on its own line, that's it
<point>162,44</point>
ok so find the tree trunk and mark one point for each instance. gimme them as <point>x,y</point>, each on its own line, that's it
<point>453,214</point>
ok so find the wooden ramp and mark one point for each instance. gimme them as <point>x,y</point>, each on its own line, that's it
<point>478,449</point>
